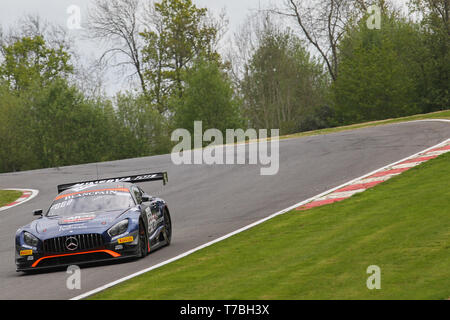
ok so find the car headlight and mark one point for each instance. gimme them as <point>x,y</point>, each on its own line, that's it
<point>30,240</point>
<point>118,228</point>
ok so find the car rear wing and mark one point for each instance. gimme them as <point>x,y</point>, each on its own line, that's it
<point>160,176</point>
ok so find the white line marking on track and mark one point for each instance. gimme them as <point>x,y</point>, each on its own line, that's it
<point>436,153</point>
<point>407,165</point>
<point>338,195</point>
<point>376,179</point>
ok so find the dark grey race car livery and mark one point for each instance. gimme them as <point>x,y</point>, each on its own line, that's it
<point>94,221</point>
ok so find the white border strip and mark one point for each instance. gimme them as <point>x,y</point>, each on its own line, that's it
<point>34,193</point>
<point>111,284</point>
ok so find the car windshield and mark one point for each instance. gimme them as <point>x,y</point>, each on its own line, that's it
<point>91,201</point>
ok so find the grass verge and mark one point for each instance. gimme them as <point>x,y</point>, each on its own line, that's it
<point>402,226</point>
<point>8,196</point>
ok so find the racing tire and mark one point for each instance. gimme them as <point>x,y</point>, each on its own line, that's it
<point>167,227</point>
<point>142,240</point>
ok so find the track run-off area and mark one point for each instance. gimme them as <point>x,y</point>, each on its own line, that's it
<point>209,201</point>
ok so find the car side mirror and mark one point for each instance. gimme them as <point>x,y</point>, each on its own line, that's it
<point>38,212</point>
<point>146,198</point>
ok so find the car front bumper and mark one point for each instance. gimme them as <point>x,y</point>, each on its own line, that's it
<point>27,259</point>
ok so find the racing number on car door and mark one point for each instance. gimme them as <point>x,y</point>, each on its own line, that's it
<point>145,208</point>
<point>151,220</point>
<point>148,212</point>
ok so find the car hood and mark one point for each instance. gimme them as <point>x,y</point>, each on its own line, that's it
<point>48,227</point>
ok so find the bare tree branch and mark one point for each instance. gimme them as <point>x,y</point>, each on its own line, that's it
<point>323,23</point>
<point>118,23</point>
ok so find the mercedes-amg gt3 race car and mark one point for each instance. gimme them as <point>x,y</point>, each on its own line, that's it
<point>95,221</point>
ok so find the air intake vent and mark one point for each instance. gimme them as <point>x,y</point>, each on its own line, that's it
<point>73,243</point>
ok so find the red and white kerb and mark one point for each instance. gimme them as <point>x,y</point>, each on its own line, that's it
<point>384,174</point>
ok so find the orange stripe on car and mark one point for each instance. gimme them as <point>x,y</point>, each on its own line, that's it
<point>111,253</point>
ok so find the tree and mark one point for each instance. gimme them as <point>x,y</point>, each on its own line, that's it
<point>208,97</point>
<point>283,85</point>
<point>15,131</point>
<point>88,76</point>
<point>32,26</point>
<point>142,125</point>
<point>180,33</point>
<point>55,125</point>
<point>435,24</point>
<point>29,59</point>
<point>323,23</point>
<point>118,23</point>
<point>379,79</point>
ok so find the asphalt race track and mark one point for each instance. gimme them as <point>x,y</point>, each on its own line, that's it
<point>207,202</point>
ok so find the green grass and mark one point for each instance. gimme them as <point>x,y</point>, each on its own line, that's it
<point>7,196</point>
<point>402,226</point>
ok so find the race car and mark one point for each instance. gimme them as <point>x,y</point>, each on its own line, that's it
<point>94,221</point>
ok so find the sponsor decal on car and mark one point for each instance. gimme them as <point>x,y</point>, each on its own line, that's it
<point>75,219</point>
<point>131,179</point>
<point>100,192</point>
<point>72,227</point>
<point>126,239</point>
<point>26,252</point>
